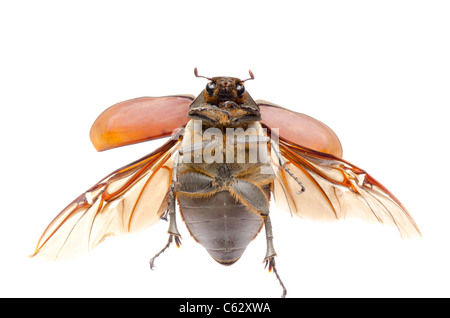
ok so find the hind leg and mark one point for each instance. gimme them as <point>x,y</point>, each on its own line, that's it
<point>270,254</point>
<point>171,212</point>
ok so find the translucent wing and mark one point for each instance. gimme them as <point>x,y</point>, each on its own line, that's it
<point>334,190</point>
<point>129,199</point>
<point>139,119</point>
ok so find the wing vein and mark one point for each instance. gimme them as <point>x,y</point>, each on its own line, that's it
<point>312,179</point>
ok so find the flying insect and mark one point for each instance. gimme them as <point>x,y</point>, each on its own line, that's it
<point>227,155</point>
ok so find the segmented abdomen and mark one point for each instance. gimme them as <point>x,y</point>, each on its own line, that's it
<point>221,224</point>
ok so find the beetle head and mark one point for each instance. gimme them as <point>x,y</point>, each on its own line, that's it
<point>223,88</point>
<point>225,93</point>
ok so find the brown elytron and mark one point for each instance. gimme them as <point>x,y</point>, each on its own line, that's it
<point>226,157</point>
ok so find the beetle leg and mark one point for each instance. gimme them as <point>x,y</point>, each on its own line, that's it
<point>171,212</point>
<point>173,230</point>
<point>283,164</point>
<point>270,254</point>
<point>252,196</point>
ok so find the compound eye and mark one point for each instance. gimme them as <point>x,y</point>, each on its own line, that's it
<point>210,88</point>
<point>240,89</point>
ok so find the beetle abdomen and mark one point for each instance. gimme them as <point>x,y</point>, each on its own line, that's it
<point>221,224</point>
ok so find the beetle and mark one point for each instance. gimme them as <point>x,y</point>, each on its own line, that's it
<point>225,157</point>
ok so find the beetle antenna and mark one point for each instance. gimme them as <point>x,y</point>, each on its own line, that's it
<point>196,75</point>
<point>252,77</point>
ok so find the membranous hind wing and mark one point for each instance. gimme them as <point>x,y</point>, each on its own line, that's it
<point>334,190</point>
<point>129,199</point>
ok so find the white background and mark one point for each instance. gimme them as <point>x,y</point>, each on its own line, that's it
<point>376,72</point>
